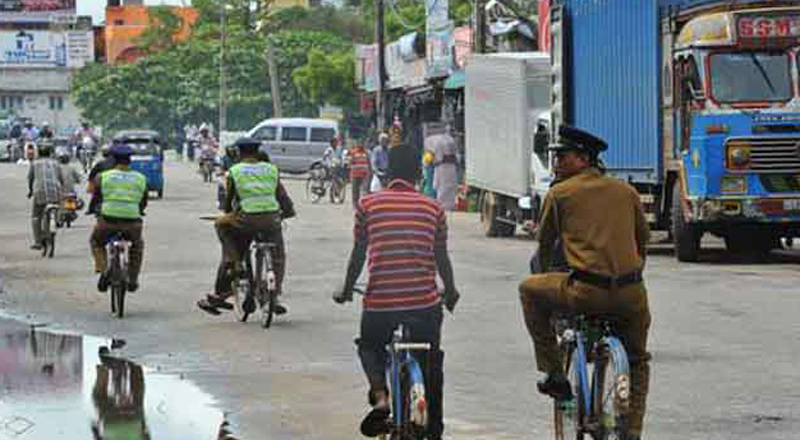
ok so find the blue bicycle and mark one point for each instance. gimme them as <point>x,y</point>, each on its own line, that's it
<point>406,387</point>
<point>598,408</point>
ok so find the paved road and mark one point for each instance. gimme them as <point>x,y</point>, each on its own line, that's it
<point>724,337</point>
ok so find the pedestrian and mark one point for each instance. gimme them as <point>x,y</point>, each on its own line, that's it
<point>380,163</point>
<point>427,175</point>
<point>445,175</point>
<point>605,255</point>
<point>45,184</point>
<point>359,171</point>
<point>405,235</point>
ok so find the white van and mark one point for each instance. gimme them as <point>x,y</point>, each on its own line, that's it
<point>294,144</point>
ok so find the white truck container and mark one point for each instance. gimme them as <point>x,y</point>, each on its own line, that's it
<point>507,133</point>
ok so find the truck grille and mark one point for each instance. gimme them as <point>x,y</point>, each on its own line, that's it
<point>771,155</point>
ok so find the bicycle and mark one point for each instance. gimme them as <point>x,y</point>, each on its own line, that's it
<point>118,250</point>
<point>599,408</point>
<point>49,227</point>
<point>260,285</point>
<point>324,180</point>
<point>407,395</point>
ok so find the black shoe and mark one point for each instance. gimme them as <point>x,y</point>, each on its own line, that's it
<point>133,285</point>
<point>280,308</point>
<point>555,387</point>
<point>37,247</point>
<point>102,283</point>
<point>207,307</point>
<point>376,422</point>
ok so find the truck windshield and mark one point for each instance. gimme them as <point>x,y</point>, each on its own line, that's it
<point>750,77</point>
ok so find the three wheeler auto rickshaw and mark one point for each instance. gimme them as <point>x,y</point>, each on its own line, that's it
<point>148,156</point>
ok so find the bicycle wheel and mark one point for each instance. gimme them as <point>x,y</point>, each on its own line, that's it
<point>415,408</point>
<point>313,192</point>
<point>338,193</point>
<point>118,298</point>
<point>568,413</point>
<point>242,288</point>
<point>613,389</point>
<point>266,297</point>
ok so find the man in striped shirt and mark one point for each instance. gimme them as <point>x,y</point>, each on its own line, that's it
<point>359,172</point>
<point>405,235</point>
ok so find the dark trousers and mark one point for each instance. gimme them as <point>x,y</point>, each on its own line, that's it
<point>360,185</point>
<point>545,294</point>
<point>235,232</point>
<point>37,215</point>
<point>130,230</point>
<point>425,325</point>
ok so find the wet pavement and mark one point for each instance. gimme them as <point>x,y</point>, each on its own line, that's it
<point>57,385</point>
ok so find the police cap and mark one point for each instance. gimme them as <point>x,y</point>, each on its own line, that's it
<point>121,151</point>
<point>247,143</point>
<point>571,138</point>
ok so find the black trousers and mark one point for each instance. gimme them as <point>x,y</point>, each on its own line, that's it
<point>423,326</point>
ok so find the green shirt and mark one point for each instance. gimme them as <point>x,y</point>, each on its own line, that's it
<point>256,185</point>
<point>123,191</point>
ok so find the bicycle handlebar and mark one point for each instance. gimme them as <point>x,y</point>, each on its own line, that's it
<point>411,346</point>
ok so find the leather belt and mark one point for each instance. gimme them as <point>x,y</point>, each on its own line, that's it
<point>605,282</point>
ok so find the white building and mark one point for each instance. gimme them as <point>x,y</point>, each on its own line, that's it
<point>39,53</point>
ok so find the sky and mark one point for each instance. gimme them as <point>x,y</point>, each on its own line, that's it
<point>96,8</point>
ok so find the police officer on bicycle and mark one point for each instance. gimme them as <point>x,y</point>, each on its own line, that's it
<point>256,202</point>
<point>121,194</point>
<point>601,225</point>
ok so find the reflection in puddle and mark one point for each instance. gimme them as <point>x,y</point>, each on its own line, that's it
<point>66,386</point>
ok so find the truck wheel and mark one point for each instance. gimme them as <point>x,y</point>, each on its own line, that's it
<point>686,236</point>
<point>488,208</point>
<point>491,225</point>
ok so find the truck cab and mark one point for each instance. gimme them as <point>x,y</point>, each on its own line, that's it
<point>736,122</point>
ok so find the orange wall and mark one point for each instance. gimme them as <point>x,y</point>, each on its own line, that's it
<point>126,23</point>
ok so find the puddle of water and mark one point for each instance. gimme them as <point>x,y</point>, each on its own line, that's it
<point>59,386</point>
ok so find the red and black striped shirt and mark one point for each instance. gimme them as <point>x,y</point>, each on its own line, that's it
<point>402,228</point>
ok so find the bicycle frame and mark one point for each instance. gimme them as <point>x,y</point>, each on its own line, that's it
<point>401,359</point>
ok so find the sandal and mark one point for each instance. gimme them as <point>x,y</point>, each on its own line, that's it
<point>218,302</point>
<point>376,422</point>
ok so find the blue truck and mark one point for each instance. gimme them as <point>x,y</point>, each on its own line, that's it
<point>699,101</point>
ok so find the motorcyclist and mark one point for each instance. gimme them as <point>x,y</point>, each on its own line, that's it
<point>122,196</point>
<point>85,137</point>
<point>30,133</point>
<point>333,158</point>
<point>208,147</point>
<point>46,132</point>
<point>256,202</point>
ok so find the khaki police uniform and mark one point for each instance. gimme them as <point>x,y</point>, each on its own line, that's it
<point>122,195</point>
<point>254,185</point>
<point>604,232</point>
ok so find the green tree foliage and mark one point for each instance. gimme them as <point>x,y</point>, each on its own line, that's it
<point>160,34</point>
<point>328,78</point>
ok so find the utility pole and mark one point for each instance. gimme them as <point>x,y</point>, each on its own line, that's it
<point>223,72</point>
<point>379,39</point>
<point>480,26</point>
<point>274,81</point>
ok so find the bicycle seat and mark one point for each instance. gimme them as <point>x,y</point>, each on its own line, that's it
<point>116,237</point>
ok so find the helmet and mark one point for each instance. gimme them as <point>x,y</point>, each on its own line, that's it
<point>63,158</point>
<point>204,127</point>
<point>45,124</point>
<point>427,158</point>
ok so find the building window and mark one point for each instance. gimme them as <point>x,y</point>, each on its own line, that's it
<point>56,103</point>
<point>8,102</point>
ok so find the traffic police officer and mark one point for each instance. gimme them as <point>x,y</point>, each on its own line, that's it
<point>122,196</point>
<point>256,202</point>
<point>602,228</point>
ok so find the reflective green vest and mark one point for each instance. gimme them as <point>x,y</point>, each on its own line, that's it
<point>123,192</point>
<point>256,184</point>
